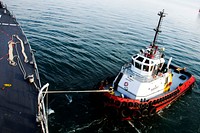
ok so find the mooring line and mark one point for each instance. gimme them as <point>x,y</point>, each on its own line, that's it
<point>82,91</point>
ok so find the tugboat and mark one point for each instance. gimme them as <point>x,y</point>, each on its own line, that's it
<point>22,107</point>
<point>147,84</point>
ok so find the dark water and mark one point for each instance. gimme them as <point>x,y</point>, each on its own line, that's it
<point>80,42</point>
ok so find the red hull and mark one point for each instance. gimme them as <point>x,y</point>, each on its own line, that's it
<point>134,109</point>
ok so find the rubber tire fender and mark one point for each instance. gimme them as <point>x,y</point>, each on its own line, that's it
<point>145,113</point>
<point>125,112</point>
<point>152,111</point>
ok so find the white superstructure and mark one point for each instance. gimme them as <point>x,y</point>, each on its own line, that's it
<point>145,77</point>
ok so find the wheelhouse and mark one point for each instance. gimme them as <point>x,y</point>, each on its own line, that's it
<point>146,66</point>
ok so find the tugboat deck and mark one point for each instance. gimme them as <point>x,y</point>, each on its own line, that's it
<point>18,104</point>
<point>178,79</point>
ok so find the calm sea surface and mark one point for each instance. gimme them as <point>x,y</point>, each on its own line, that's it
<point>81,42</point>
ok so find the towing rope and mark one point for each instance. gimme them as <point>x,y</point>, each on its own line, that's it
<point>82,91</point>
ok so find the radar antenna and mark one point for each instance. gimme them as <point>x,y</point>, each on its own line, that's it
<point>157,30</point>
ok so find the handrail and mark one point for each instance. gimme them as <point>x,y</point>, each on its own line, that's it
<point>42,116</point>
<point>78,91</point>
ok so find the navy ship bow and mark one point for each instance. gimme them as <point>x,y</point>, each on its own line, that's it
<point>22,99</point>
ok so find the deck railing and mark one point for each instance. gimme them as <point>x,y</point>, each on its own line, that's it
<point>42,117</point>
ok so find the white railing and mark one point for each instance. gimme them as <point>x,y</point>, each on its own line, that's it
<point>42,115</point>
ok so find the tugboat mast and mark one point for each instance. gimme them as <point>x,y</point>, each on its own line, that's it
<point>161,14</point>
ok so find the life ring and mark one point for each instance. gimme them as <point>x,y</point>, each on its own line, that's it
<point>125,83</point>
<point>145,113</point>
<point>152,111</point>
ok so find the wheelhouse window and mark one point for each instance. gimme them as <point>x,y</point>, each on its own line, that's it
<point>146,61</point>
<point>160,66</point>
<point>146,68</point>
<point>134,56</point>
<point>151,68</point>
<point>140,59</point>
<point>132,62</point>
<point>137,65</point>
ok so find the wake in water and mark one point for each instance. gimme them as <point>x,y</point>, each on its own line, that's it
<point>160,114</point>
<point>106,124</point>
<point>132,124</point>
<point>196,88</point>
<point>85,126</point>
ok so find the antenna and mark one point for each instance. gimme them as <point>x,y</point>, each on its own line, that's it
<point>157,30</point>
